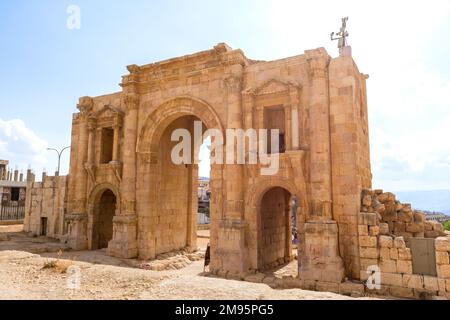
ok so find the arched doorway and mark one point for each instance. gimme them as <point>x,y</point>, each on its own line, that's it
<point>275,228</point>
<point>168,192</point>
<point>104,212</point>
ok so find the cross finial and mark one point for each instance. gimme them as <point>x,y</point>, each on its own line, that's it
<point>341,36</point>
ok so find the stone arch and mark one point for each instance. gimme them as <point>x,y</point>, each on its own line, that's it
<point>152,174</point>
<point>96,208</point>
<point>169,111</point>
<point>254,200</point>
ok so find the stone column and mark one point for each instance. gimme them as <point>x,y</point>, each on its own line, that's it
<point>124,242</point>
<point>320,138</point>
<point>320,259</point>
<point>78,218</point>
<point>117,125</point>
<point>92,126</point>
<point>231,254</point>
<point>295,128</point>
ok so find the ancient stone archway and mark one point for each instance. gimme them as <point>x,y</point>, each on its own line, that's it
<point>274,238</point>
<point>103,205</point>
<point>167,219</point>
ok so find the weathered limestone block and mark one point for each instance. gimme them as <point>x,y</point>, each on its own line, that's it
<point>428,226</point>
<point>386,197</point>
<point>384,228</point>
<point>404,254</point>
<point>394,253</point>
<point>367,201</point>
<point>385,253</point>
<point>351,288</point>
<point>443,271</point>
<point>374,230</point>
<point>437,226</point>
<point>419,235</point>
<point>442,244</point>
<point>363,230</point>
<point>442,257</point>
<point>401,292</point>
<point>405,216</point>
<point>414,227</point>
<point>399,242</point>
<point>386,242</point>
<point>431,234</point>
<point>388,266</point>
<point>413,281</point>
<point>327,287</point>
<point>390,215</point>
<point>399,227</point>
<point>321,260</point>
<point>419,217</point>
<point>404,266</point>
<point>391,279</point>
<point>367,262</point>
<point>369,253</point>
<point>431,283</point>
<point>368,241</point>
<point>368,218</point>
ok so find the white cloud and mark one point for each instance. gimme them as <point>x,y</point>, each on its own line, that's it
<point>21,146</point>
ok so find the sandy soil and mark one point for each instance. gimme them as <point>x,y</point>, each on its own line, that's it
<point>22,276</point>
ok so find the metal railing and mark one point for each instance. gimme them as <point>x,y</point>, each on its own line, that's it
<point>12,211</point>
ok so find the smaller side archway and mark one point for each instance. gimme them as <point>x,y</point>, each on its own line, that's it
<point>275,228</point>
<point>103,206</point>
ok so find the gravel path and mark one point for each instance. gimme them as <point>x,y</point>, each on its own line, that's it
<point>23,276</point>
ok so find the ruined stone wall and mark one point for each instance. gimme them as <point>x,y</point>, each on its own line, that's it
<point>46,199</point>
<point>384,240</point>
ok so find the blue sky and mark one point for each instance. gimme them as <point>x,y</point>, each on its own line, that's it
<point>403,45</point>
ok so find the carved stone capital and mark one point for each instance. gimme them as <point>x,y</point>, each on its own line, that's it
<point>92,124</point>
<point>85,105</point>
<point>233,83</point>
<point>131,101</point>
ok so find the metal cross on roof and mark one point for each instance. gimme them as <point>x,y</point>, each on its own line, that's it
<point>341,35</point>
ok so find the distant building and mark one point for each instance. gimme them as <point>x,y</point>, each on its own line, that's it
<point>12,192</point>
<point>436,216</point>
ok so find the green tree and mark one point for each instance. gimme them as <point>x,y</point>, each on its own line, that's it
<point>447,225</point>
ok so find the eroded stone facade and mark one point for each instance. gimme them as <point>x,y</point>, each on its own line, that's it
<point>121,145</point>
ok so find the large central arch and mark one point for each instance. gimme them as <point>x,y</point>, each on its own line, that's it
<point>167,193</point>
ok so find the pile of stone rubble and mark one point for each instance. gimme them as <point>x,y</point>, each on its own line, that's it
<point>397,218</point>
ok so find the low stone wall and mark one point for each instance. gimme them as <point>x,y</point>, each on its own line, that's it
<point>385,229</point>
<point>46,199</point>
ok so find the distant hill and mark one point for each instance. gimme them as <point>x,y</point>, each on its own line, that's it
<point>433,200</point>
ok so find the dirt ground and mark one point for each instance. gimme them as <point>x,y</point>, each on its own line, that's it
<point>23,276</point>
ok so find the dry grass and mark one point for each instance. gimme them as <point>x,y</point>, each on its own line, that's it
<point>58,265</point>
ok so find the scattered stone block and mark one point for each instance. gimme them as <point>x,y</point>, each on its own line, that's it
<point>384,228</point>
<point>442,244</point>
<point>399,242</point>
<point>385,242</point>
